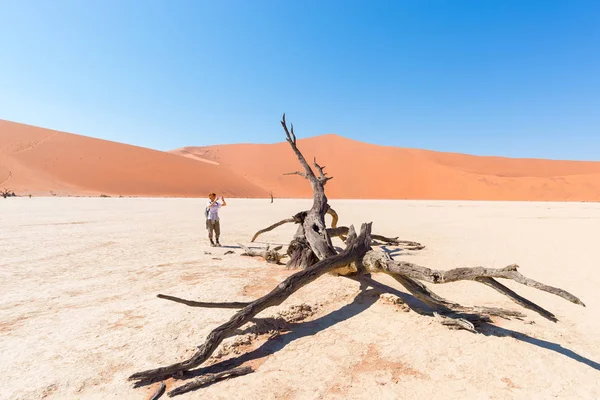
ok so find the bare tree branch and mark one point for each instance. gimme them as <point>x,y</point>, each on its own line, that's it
<point>291,139</point>
<point>322,175</point>
<point>270,228</point>
<point>208,379</point>
<point>407,244</point>
<point>203,304</point>
<point>355,250</point>
<point>408,272</point>
<point>159,392</point>
<point>302,174</point>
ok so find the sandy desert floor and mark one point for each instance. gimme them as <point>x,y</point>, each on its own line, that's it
<point>79,311</point>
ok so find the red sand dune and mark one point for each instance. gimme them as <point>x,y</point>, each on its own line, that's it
<point>40,161</point>
<point>367,171</point>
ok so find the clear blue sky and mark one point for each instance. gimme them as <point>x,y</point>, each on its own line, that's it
<point>513,78</point>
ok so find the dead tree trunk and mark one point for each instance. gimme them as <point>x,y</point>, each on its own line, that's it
<point>311,251</point>
<point>311,240</point>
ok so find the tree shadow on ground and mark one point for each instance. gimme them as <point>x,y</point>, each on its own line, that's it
<point>365,299</point>
<point>362,302</point>
<point>297,331</point>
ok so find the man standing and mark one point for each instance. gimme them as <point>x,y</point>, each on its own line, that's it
<point>212,218</point>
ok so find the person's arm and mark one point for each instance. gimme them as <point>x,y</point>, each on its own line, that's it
<point>224,203</point>
<point>210,204</point>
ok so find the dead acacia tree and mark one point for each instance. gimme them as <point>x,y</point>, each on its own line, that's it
<point>312,252</point>
<point>7,193</point>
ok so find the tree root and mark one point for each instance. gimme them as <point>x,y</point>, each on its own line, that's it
<point>208,379</point>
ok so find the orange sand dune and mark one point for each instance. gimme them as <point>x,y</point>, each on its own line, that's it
<point>367,171</point>
<point>41,161</point>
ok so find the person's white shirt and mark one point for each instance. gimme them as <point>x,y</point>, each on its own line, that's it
<point>213,211</point>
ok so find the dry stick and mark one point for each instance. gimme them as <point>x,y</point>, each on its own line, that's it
<point>453,320</point>
<point>402,270</point>
<point>302,174</point>
<point>159,392</point>
<point>270,228</point>
<point>460,274</point>
<point>457,323</point>
<point>322,175</point>
<point>491,282</point>
<point>357,247</point>
<point>191,303</point>
<point>269,255</point>
<point>410,245</point>
<point>441,305</point>
<point>291,139</point>
<point>298,218</point>
<point>209,378</point>
<point>433,300</point>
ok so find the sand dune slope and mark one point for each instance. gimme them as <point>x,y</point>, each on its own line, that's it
<point>41,161</point>
<point>366,171</point>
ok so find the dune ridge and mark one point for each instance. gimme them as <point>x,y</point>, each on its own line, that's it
<point>46,162</point>
<point>369,171</point>
<point>41,161</point>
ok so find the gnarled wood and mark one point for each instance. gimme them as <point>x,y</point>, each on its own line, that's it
<point>407,244</point>
<point>354,251</point>
<point>269,254</point>
<point>311,250</point>
<point>208,379</point>
<point>159,392</point>
<point>203,304</point>
<point>405,271</point>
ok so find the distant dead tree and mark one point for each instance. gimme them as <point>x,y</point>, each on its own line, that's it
<point>311,251</point>
<point>7,193</point>
<point>271,194</point>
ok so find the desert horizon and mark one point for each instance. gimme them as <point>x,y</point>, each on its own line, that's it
<point>44,162</point>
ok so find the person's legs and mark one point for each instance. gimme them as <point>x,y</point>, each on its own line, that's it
<point>210,228</point>
<point>217,228</point>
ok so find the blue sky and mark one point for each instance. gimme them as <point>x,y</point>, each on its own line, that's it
<point>511,78</point>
